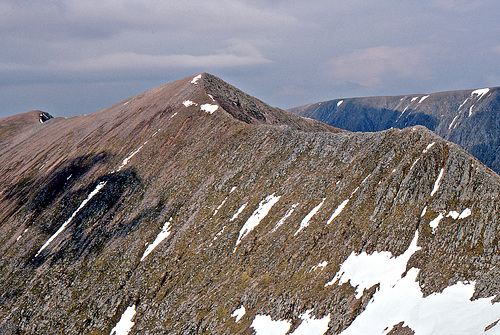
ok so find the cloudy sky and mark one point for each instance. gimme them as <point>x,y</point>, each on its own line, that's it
<point>71,57</point>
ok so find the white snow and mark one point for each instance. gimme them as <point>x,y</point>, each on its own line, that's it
<point>319,266</point>
<point>164,233</point>
<point>453,214</point>
<point>470,110</point>
<point>463,103</point>
<point>308,217</point>
<point>286,216</point>
<point>400,299</point>
<point>467,212</point>
<point>434,223</point>
<point>339,210</point>
<point>264,325</point>
<point>452,122</point>
<point>19,237</point>
<point>235,216</point>
<point>414,163</point>
<point>423,98</point>
<point>125,324</point>
<point>340,103</point>
<point>129,157</point>
<point>188,103</point>
<point>363,270</point>
<point>65,224</point>
<point>311,326</point>
<point>239,313</point>
<point>413,99</point>
<point>260,213</point>
<point>480,92</point>
<point>428,147</point>
<point>208,108</point>
<point>173,115</point>
<point>223,201</point>
<point>195,79</point>
<point>211,97</point>
<point>423,212</point>
<point>437,182</point>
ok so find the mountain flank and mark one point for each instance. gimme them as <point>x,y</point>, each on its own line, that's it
<point>469,118</point>
<point>194,208</point>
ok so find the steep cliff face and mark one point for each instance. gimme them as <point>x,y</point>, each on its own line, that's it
<point>469,118</point>
<point>196,209</point>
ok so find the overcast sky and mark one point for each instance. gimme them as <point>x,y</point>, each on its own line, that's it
<point>71,57</point>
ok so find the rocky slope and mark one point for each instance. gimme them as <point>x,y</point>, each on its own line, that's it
<point>194,208</point>
<point>469,118</point>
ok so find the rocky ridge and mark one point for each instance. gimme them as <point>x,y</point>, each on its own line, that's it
<point>468,118</point>
<point>194,208</point>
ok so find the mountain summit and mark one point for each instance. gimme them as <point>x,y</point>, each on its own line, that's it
<point>194,208</point>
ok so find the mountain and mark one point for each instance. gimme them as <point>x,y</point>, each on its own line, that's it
<point>469,118</point>
<point>194,208</point>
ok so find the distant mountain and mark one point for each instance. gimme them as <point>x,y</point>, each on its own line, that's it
<point>469,118</point>
<point>194,208</point>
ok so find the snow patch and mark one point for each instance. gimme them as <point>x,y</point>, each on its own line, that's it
<point>338,210</point>
<point>453,214</point>
<point>241,209</point>
<point>223,201</point>
<point>188,103</point>
<point>65,224</point>
<point>437,182</point>
<point>448,312</point>
<point>195,79</point>
<point>310,326</point>
<point>238,313</point>
<point>480,92</point>
<point>452,122</point>
<point>363,270</point>
<point>467,212</point>
<point>340,103</point>
<point>208,108</point>
<point>164,233</point>
<point>264,325</point>
<point>413,99</point>
<point>259,214</point>
<point>435,223</point>
<point>423,212</point>
<point>470,110</point>
<point>19,237</point>
<point>428,147</point>
<point>129,157</point>
<point>211,97</point>
<point>308,217</point>
<point>319,266</point>
<point>423,98</point>
<point>283,219</point>
<point>125,324</point>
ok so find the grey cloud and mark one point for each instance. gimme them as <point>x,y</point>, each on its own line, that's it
<point>285,52</point>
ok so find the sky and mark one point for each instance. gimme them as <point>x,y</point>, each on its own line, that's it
<point>70,57</point>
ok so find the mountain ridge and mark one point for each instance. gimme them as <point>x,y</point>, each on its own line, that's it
<point>174,216</point>
<point>467,117</point>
